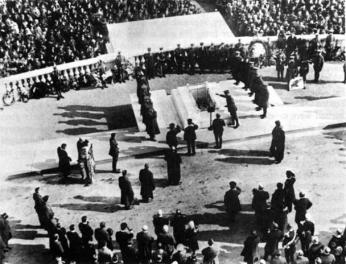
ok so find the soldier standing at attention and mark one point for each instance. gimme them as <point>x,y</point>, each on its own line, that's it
<point>190,137</point>
<point>318,62</point>
<point>217,127</point>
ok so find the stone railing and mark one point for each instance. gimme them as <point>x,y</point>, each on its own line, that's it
<point>77,68</point>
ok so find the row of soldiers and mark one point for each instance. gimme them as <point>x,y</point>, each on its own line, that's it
<point>213,58</point>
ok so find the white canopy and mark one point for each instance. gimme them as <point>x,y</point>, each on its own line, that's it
<point>134,38</point>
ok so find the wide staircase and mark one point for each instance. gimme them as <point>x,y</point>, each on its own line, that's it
<point>181,103</point>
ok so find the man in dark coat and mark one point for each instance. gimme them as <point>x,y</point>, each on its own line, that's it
<point>210,253</point>
<point>302,205</point>
<point>171,136</point>
<point>56,247</point>
<point>190,137</point>
<point>250,250</point>
<point>191,59</point>
<point>201,57</point>
<point>150,120</point>
<point>86,231</point>
<point>306,231</point>
<point>278,207</point>
<point>144,245</point>
<point>217,127</point>
<point>272,244</point>
<point>166,241</point>
<point>232,108</point>
<point>179,55</point>
<point>259,204</point>
<point>173,160</point>
<point>127,194</point>
<point>56,82</point>
<point>290,196</point>
<point>146,179</point>
<point>101,235</point>
<point>178,223</point>
<point>75,243</point>
<point>231,200</point>
<point>318,62</point>
<point>150,64</point>
<point>114,152</point>
<point>124,236</point>
<point>159,221</point>
<point>38,204</point>
<point>64,160</point>
<point>277,147</point>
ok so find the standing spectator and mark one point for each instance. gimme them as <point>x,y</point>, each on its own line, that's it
<point>56,82</point>
<point>114,152</point>
<point>105,255</point>
<point>306,231</point>
<point>64,161</point>
<point>56,247</point>
<point>171,136</point>
<point>232,108</point>
<point>210,253</point>
<point>289,244</point>
<point>124,237</point>
<point>173,160</point>
<point>144,245</point>
<point>231,200</point>
<point>159,221</point>
<point>217,127</point>
<point>301,206</point>
<point>146,179</point>
<point>318,62</point>
<point>290,195</point>
<point>101,235</point>
<point>277,147</point>
<point>272,244</point>
<point>110,241</point>
<point>178,223</point>
<point>127,194</point>
<point>191,237</point>
<point>259,204</point>
<point>190,137</point>
<point>278,205</point>
<point>166,242</point>
<point>280,64</point>
<point>250,251</point>
<point>315,249</point>
<point>86,231</point>
<point>75,243</point>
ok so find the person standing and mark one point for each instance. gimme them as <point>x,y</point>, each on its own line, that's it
<point>173,160</point>
<point>144,245</point>
<point>101,235</point>
<point>56,247</point>
<point>191,237</point>
<point>210,253</point>
<point>178,223</point>
<point>302,205</point>
<point>166,242</point>
<point>171,136</point>
<point>114,152</point>
<point>290,196</point>
<point>146,179</point>
<point>86,231</point>
<point>280,64</point>
<point>217,127</point>
<point>127,194</point>
<point>306,231</point>
<point>318,62</point>
<point>278,205</point>
<point>56,82</point>
<point>124,236</point>
<point>277,147</point>
<point>64,161</point>
<point>75,244</point>
<point>289,244</point>
<point>190,137</point>
<point>259,204</point>
<point>250,251</point>
<point>232,108</point>
<point>159,221</point>
<point>272,244</point>
<point>5,230</point>
<point>231,200</point>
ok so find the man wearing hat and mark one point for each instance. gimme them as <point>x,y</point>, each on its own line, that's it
<point>301,205</point>
<point>179,55</point>
<point>161,64</point>
<point>217,127</point>
<point>144,245</point>
<point>231,200</point>
<point>318,62</point>
<point>202,54</point>
<point>277,147</point>
<point>114,152</point>
<point>190,137</point>
<point>191,59</point>
<point>232,108</point>
<point>171,136</point>
<point>327,257</point>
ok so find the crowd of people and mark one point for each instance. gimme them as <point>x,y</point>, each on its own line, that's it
<point>267,18</point>
<point>36,34</point>
<point>174,238</point>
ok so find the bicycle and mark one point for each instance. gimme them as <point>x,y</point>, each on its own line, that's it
<point>9,97</point>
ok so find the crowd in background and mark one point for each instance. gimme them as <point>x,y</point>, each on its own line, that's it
<point>36,34</point>
<point>267,18</point>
